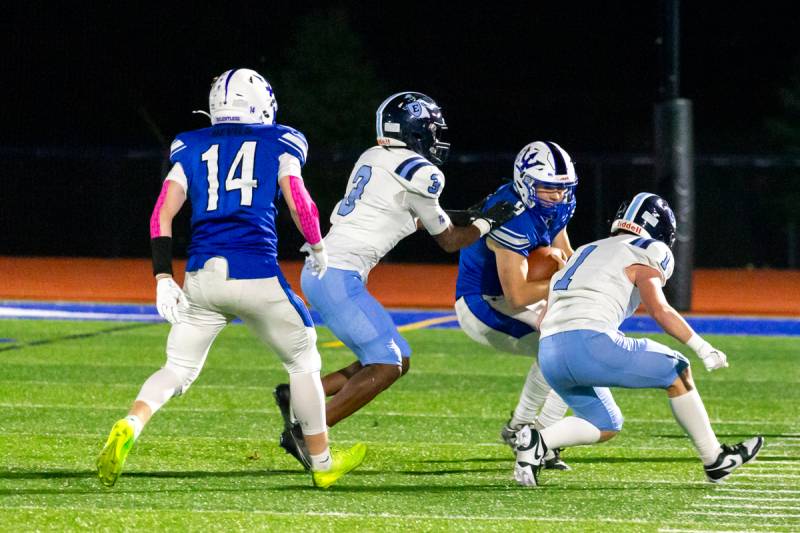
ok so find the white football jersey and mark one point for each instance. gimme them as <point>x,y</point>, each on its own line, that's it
<point>593,292</point>
<point>388,190</point>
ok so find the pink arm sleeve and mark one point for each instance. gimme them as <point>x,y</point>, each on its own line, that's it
<point>155,218</point>
<point>306,210</point>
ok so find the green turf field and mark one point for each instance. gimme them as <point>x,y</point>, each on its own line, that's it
<point>210,460</point>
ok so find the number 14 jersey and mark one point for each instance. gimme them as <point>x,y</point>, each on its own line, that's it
<point>230,174</point>
<point>388,190</point>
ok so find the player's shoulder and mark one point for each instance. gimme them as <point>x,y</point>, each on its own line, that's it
<point>287,138</point>
<point>410,169</point>
<point>185,140</point>
<point>653,253</point>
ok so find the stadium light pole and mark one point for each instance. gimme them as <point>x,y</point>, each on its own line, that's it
<point>674,153</point>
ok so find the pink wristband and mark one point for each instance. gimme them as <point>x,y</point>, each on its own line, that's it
<point>306,210</point>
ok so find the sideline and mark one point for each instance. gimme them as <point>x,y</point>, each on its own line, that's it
<point>406,319</point>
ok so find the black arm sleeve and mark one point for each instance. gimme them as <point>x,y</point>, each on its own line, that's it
<point>161,248</point>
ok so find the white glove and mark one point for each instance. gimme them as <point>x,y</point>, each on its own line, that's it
<point>711,357</point>
<point>170,300</point>
<point>317,257</point>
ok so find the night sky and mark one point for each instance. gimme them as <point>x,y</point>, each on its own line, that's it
<point>582,73</point>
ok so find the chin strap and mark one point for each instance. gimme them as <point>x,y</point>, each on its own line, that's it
<point>201,112</point>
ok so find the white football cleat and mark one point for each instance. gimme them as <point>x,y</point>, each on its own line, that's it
<point>531,450</point>
<point>732,457</point>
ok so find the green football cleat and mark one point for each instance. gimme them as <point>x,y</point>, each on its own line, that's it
<point>343,462</point>
<point>111,459</point>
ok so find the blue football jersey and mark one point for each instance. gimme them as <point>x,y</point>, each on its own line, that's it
<point>477,267</point>
<point>232,177</point>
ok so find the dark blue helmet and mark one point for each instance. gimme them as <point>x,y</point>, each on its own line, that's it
<point>647,215</point>
<point>415,121</point>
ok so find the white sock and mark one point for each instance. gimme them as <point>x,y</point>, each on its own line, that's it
<point>137,425</point>
<point>690,413</point>
<point>553,410</point>
<point>570,431</point>
<point>533,395</point>
<point>321,462</point>
<point>308,402</point>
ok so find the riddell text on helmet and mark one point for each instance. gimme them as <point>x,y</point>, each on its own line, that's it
<point>630,227</point>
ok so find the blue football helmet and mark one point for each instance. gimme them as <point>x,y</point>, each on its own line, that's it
<point>415,121</point>
<point>545,164</point>
<point>647,215</point>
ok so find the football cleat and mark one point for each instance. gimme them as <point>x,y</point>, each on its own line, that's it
<point>531,450</point>
<point>294,443</point>
<point>732,457</point>
<point>283,397</point>
<point>553,460</point>
<point>343,462</point>
<point>112,458</point>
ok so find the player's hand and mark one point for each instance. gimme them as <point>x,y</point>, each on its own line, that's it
<point>499,214</point>
<point>170,300</point>
<point>558,255</point>
<point>712,358</point>
<point>317,257</point>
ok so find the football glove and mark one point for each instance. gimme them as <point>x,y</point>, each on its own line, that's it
<point>712,358</point>
<point>170,300</point>
<point>317,257</point>
<point>499,214</point>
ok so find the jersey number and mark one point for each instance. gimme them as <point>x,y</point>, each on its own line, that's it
<point>347,204</point>
<point>566,279</point>
<point>244,182</point>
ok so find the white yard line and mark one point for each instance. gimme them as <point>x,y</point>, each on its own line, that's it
<point>744,515</point>
<point>768,476</point>
<point>332,514</point>
<point>751,499</point>
<point>762,507</point>
<point>757,491</point>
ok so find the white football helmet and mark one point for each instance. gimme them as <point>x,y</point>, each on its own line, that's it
<point>543,163</point>
<point>241,96</point>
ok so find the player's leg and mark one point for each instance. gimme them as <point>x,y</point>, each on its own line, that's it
<point>364,326</point>
<point>597,417</point>
<point>719,460</point>
<point>187,347</point>
<point>491,322</point>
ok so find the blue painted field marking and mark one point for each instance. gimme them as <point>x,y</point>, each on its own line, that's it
<point>720,325</point>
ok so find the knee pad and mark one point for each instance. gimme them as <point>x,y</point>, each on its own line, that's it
<point>306,362</point>
<point>185,374</point>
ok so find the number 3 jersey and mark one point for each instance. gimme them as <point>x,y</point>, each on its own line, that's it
<point>593,291</point>
<point>230,174</point>
<point>388,190</point>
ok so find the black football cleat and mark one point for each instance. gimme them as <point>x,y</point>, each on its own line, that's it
<point>732,457</point>
<point>283,398</point>
<point>553,460</point>
<point>293,442</point>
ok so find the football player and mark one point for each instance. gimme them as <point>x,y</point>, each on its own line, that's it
<point>582,352</point>
<point>496,304</point>
<point>393,190</point>
<point>233,173</point>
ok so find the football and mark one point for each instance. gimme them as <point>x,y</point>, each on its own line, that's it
<point>540,265</point>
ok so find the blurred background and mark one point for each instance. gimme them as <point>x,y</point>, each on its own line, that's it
<point>94,93</point>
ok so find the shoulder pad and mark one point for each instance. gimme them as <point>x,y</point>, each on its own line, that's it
<point>294,141</point>
<point>177,146</point>
<point>420,175</point>
<point>513,235</point>
<point>656,254</point>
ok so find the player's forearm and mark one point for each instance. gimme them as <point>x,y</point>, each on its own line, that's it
<point>526,293</point>
<point>304,211</point>
<point>454,238</point>
<point>672,323</point>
